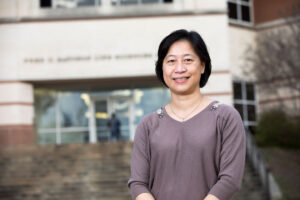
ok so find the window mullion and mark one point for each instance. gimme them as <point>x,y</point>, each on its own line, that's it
<point>244,3</point>
<point>244,97</point>
<point>53,4</point>
<point>239,11</point>
<point>57,121</point>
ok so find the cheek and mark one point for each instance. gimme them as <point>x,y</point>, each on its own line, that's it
<point>165,72</point>
<point>166,75</point>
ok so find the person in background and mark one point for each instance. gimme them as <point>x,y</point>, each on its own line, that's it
<point>193,148</point>
<point>114,125</point>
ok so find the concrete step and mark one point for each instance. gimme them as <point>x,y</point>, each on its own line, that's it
<point>80,171</point>
<point>74,171</point>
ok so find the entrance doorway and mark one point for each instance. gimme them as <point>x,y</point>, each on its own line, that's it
<point>101,109</point>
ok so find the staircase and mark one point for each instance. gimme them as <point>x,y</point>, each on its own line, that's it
<point>66,172</point>
<point>81,172</point>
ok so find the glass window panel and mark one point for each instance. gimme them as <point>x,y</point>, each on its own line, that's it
<point>44,107</point>
<point>245,13</point>
<point>128,2</point>
<point>66,3</point>
<point>47,138</point>
<point>121,107</point>
<point>150,1</point>
<point>101,115</point>
<point>148,100</point>
<point>232,9</point>
<point>81,3</point>
<point>74,137</point>
<point>45,3</point>
<point>237,90</point>
<point>252,129</point>
<point>239,108</point>
<point>114,2</point>
<point>251,112</point>
<point>70,117</point>
<point>250,91</point>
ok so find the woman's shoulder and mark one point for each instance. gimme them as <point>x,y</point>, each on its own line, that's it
<point>151,119</point>
<point>224,111</point>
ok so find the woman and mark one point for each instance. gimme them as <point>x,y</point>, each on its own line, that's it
<point>193,148</point>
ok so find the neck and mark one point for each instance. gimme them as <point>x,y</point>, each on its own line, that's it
<point>184,103</point>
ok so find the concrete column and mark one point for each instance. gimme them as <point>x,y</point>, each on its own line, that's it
<point>16,113</point>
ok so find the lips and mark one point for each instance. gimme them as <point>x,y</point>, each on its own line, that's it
<point>181,79</point>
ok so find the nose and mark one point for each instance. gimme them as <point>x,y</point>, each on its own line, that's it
<point>180,67</point>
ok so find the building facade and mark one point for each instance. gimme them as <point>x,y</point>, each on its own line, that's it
<point>67,65</point>
<point>249,20</point>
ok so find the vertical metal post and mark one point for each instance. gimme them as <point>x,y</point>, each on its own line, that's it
<point>268,183</point>
<point>57,120</point>
<point>92,123</point>
<point>131,117</point>
<point>244,104</point>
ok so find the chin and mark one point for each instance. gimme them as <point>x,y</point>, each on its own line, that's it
<point>182,91</point>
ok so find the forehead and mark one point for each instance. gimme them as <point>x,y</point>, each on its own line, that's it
<point>181,47</point>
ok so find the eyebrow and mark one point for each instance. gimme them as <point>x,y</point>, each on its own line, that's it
<point>187,54</point>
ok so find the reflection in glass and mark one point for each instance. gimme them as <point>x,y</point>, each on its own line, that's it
<point>47,138</point>
<point>68,113</point>
<point>71,117</point>
<point>148,100</point>
<point>101,120</point>
<point>44,102</point>
<point>121,109</point>
<point>74,137</point>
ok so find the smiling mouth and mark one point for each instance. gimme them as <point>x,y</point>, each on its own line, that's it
<point>181,79</point>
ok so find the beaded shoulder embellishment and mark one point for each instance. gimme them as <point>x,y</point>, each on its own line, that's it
<point>160,112</point>
<point>215,106</point>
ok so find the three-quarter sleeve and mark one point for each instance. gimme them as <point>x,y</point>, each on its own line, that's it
<point>232,155</point>
<point>140,162</point>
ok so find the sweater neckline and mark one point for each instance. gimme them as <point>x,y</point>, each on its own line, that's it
<point>190,119</point>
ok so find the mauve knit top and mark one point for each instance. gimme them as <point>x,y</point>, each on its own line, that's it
<point>187,160</point>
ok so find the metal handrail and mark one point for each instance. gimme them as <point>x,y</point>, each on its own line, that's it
<point>258,162</point>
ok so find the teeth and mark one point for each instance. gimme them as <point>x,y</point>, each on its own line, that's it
<point>180,78</point>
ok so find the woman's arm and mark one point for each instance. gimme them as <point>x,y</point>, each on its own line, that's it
<point>145,196</point>
<point>211,197</point>
<point>140,164</point>
<point>232,154</point>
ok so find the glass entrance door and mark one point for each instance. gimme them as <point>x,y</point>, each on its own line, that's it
<point>101,115</point>
<point>102,109</point>
<point>121,107</point>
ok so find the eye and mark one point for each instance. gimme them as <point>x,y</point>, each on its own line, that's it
<point>188,60</point>
<point>171,61</point>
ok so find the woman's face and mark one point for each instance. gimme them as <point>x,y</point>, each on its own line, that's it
<point>182,68</point>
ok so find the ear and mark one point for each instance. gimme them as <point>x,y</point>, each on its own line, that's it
<point>202,67</point>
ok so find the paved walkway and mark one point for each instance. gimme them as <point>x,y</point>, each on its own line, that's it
<point>79,171</point>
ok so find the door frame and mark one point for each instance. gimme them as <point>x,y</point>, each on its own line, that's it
<point>109,99</point>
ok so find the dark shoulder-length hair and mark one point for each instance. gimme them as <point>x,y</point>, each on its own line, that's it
<point>198,45</point>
